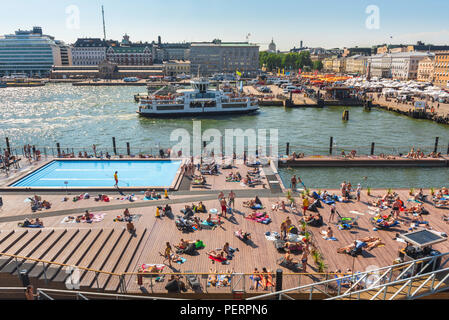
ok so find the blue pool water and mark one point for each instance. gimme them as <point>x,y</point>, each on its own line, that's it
<point>101,174</point>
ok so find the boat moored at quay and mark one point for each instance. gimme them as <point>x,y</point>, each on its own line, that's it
<point>197,101</point>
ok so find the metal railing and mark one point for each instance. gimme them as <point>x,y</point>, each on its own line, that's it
<point>379,279</point>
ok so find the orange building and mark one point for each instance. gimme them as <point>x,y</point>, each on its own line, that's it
<point>441,69</point>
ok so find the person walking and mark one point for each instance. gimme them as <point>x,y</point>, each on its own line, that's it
<point>116,179</point>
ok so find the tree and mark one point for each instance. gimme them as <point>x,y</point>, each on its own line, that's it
<point>317,65</point>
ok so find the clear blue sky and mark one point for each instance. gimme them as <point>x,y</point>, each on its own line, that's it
<point>325,23</point>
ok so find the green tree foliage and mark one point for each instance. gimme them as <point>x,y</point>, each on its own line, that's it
<point>287,61</point>
<point>317,65</point>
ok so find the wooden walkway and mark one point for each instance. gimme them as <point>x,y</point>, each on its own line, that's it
<point>108,247</point>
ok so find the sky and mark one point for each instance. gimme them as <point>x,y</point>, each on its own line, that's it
<point>318,23</point>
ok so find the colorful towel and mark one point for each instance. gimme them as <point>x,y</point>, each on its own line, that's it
<point>68,220</point>
<point>272,236</point>
<point>181,261</point>
<point>217,259</point>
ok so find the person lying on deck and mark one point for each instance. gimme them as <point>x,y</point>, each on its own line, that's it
<point>368,242</point>
<point>216,255</point>
<point>243,235</point>
<point>288,258</point>
<point>293,247</point>
<point>199,208</point>
<point>183,244</point>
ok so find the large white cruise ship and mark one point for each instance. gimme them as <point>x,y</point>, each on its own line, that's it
<point>197,101</point>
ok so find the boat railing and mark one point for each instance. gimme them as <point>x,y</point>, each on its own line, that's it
<point>158,102</point>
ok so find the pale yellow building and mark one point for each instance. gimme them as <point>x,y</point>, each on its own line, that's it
<point>176,67</point>
<point>356,64</point>
<point>441,69</point>
<point>328,64</point>
<point>426,69</point>
<point>339,65</point>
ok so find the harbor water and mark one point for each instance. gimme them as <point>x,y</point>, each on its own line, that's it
<point>77,117</point>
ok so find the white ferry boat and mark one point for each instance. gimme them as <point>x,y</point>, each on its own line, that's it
<point>197,101</point>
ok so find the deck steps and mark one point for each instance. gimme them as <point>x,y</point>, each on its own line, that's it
<point>41,252</point>
<point>102,258</point>
<point>17,247</point>
<point>11,240</point>
<point>53,253</point>
<point>83,249</point>
<point>65,255</point>
<point>28,251</point>
<point>123,262</point>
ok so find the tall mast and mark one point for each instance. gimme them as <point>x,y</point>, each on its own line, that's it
<point>104,25</point>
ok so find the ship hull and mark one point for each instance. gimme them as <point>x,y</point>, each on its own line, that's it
<point>196,114</point>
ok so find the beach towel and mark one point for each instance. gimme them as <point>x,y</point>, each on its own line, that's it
<point>144,268</point>
<point>294,237</point>
<point>272,236</point>
<point>257,206</point>
<point>217,259</point>
<point>96,218</point>
<point>329,201</point>
<point>356,212</point>
<point>374,209</point>
<point>68,219</point>
<point>148,199</point>
<point>181,261</point>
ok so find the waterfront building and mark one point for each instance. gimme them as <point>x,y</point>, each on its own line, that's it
<point>130,55</point>
<point>441,69</point>
<point>379,65</point>
<point>106,70</point>
<point>356,64</point>
<point>328,64</point>
<point>404,65</point>
<point>171,51</point>
<point>29,52</point>
<point>65,52</point>
<point>224,57</point>
<point>89,52</point>
<point>339,65</point>
<point>347,52</point>
<point>426,69</point>
<point>176,67</point>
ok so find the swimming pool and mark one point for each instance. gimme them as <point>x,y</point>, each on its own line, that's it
<point>100,173</point>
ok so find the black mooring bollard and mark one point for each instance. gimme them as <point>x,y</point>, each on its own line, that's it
<point>372,148</point>
<point>330,145</point>
<point>114,146</point>
<point>58,147</point>
<point>287,148</point>
<point>128,149</point>
<point>8,146</point>
<point>436,144</point>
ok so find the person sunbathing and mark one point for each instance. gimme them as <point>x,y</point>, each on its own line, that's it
<point>328,233</point>
<point>288,259</point>
<point>46,204</point>
<point>216,255</point>
<point>292,247</point>
<point>243,235</point>
<point>148,194</point>
<point>368,242</point>
<point>183,244</point>
<point>212,278</point>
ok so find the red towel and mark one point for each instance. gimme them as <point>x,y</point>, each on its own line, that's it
<point>217,259</point>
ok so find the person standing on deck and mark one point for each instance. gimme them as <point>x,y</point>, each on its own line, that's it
<point>116,179</point>
<point>357,192</point>
<point>305,204</point>
<point>231,196</point>
<point>293,182</point>
<point>332,215</point>
<point>304,257</point>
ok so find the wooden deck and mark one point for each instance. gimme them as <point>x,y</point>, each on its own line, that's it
<point>108,247</point>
